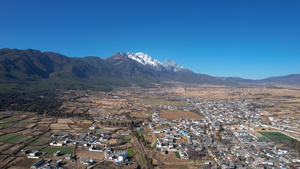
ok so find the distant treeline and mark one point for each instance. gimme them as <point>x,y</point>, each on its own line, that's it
<point>44,101</point>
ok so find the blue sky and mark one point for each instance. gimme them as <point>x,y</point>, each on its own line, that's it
<point>242,38</point>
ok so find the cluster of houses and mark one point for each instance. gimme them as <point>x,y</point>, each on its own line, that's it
<point>236,118</point>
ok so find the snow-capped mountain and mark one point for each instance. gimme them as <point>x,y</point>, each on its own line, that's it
<point>154,64</point>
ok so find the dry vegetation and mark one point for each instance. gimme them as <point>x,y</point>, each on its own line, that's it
<point>172,115</point>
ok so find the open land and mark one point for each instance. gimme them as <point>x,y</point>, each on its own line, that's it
<point>182,126</point>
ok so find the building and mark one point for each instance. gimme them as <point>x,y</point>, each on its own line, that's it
<point>37,164</point>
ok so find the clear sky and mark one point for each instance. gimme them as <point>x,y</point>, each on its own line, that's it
<point>242,38</point>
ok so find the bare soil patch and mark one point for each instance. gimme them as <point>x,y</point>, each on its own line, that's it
<point>172,115</point>
<point>48,120</point>
<point>89,154</point>
<point>59,126</point>
<point>60,120</point>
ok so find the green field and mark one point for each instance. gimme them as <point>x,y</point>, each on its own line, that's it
<point>140,132</point>
<point>5,124</point>
<point>63,150</point>
<point>26,121</point>
<point>99,131</point>
<point>154,146</point>
<point>143,159</point>
<point>11,138</point>
<point>6,137</point>
<point>263,138</point>
<point>126,138</point>
<point>16,138</point>
<point>130,152</point>
<point>275,136</point>
<point>177,154</point>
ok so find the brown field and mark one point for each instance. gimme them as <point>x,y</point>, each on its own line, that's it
<point>25,163</point>
<point>172,115</point>
<point>48,120</point>
<point>89,154</point>
<point>16,161</point>
<point>87,121</point>
<point>31,125</point>
<point>5,147</point>
<point>41,127</point>
<point>65,120</point>
<point>59,126</point>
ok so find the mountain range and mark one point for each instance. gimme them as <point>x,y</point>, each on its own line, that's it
<point>31,69</point>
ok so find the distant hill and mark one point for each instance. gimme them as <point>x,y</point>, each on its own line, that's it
<point>293,79</point>
<point>22,70</point>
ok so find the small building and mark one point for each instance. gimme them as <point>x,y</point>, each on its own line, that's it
<point>122,156</point>
<point>57,153</point>
<point>93,127</point>
<point>37,164</point>
<point>68,156</point>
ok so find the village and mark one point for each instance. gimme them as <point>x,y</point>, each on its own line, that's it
<point>146,128</point>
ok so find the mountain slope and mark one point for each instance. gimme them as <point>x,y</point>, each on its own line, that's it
<point>31,69</point>
<point>35,69</point>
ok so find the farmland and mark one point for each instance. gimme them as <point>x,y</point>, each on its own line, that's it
<point>63,150</point>
<point>130,152</point>
<point>11,138</point>
<point>172,115</point>
<point>275,136</point>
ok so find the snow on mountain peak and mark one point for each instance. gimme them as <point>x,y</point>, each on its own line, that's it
<point>146,60</point>
<point>142,58</point>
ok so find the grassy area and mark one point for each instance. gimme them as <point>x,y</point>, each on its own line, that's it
<point>99,131</point>
<point>140,132</point>
<point>5,124</point>
<point>263,138</point>
<point>154,146</point>
<point>16,138</point>
<point>11,138</point>
<point>275,136</point>
<point>26,121</point>
<point>143,159</point>
<point>126,138</point>
<point>130,152</point>
<point>177,154</point>
<point>112,122</point>
<point>11,119</point>
<point>7,137</point>
<point>63,150</point>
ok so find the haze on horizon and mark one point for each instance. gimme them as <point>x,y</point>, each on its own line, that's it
<point>249,39</point>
